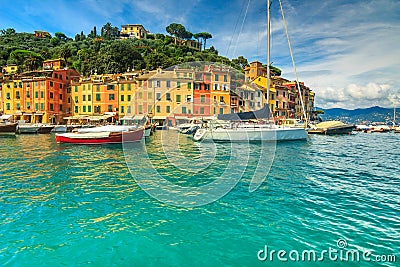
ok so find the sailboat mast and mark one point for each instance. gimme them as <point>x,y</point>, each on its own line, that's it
<point>268,50</point>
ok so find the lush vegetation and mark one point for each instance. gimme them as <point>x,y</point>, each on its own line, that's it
<point>106,52</point>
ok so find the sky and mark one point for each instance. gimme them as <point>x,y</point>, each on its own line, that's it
<point>347,52</point>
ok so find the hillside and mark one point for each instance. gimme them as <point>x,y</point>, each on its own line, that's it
<point>372,114</point>
<point>104,53</point>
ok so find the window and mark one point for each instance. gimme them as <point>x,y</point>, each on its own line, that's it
<point>122,98</point>
<point>17,95</point>
<point>61,97</point>
<point>201,110</point>
<point>97,109</point>
<point>221,110</point>
<point>28,94</point>
<point>189,85</point>
<point>158,96</point>
<point>183,110</point>
<point>28,105</point>
<point>122,87</point>
<point>84,109</point>
<point>83,97</point>
<point>41,106</point>
<point>76,89</point>
<point>158,109</point>
<point>8,106</point>
<point>61,107</point>
<point>202,99</point>
<point>41,94</point>
<point>140,108</point>
<point>122,109</point>
<point>178,98</point>
<point>168,84</point>
<point>216,77</point>
<point>60,76</point>
<point>129,86</point>
<point>61,86</point>
<point>76,99</point>
<point>225,78</point>
<point>129,109</point>
<point>140,96</point>
<point>51,107</point>
<point>216,87</point>
<point>36,106</point>
<point>89,97</point>
<point>98,97</point>
<point>277,103</point>
<point>149,95</point>
<point>178,84</point>
<point>89,108</point>
<point>110,87</point>
<point>76,109</point>
<point>168,109</point>
<point>221,100</point>
<point>97,88</point>
<point>188,98</point>
<point>111,97</point>
<point>168,96</point>
<point>8,95</point>
<point>157,84</point>
<point>69,100</point>
<point>206,87</point>
<point>109,108</point>
<point>129,98</point>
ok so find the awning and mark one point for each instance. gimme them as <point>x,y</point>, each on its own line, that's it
<point>18,113</point>
<point>38,114</point>
<point>110,113</point>
<point>5,117</point>
<point>159,117</point>
<point>138,117</point>
<point>27,114</point>
<point>181,117</point>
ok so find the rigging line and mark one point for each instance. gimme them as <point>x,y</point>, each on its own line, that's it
<point>234,31</point>
<point>241,28</point>
<point>294,65</point>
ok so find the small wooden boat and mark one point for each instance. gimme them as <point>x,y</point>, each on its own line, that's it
<point>45,128</point>
<point>331,127</point>
<point>8,128</point>
<point>28,128</point>
<point>102,135</point>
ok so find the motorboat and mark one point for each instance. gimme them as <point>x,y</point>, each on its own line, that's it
<point>110,134</point>
<point>331,127</point>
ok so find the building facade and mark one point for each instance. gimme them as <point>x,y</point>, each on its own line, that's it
<point>133,31</point>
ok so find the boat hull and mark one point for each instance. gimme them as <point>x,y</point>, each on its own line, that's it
<point>45,129</point>
<point>257,134</point>
<point>333,130</point>
<point>8,128</point>
<point>28,129</point>
<point>104,138</point>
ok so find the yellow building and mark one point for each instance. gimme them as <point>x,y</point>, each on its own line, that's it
<point>54,64</point>
<point>220,89</point>
<point>132,31</point>
<point>10,69</point>
<point>261,82</point>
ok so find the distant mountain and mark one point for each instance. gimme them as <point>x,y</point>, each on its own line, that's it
<point>372,114</point>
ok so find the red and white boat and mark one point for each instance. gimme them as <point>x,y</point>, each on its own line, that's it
<point>112,134</point>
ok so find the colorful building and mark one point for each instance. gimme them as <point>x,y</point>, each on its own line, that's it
<point>220,89</point>
<point>10,69</point>
<point>40,96</point>
<point>133,31</point>
<point>54,64</point>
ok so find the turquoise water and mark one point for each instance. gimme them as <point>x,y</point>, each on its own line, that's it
<point>66,205</point>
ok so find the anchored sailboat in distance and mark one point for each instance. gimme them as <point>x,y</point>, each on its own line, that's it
<point>253,125</point>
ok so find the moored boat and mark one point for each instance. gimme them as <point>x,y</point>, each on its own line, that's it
<point>8,128</point>
<point>331,127</point>
<point>45,128</point>
<point>59,129</point>
<point>102,135</point>
<point>26,128</point>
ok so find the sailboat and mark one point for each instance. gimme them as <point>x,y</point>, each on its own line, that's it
<point>239,127</point>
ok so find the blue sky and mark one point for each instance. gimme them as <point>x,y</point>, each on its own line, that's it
<point>348,52</point>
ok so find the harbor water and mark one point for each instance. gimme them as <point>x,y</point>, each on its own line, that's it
<point>79,205</point>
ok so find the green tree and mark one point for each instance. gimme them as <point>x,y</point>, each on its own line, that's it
<point>109,32</point>
<point>176,30</point>
<point>241,62</point>
<point>204,36</point>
